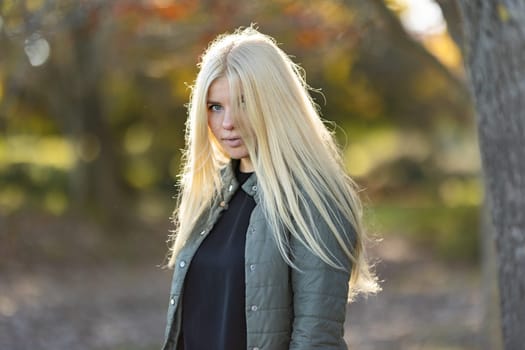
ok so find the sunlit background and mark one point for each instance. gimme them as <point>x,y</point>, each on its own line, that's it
<point>92,111</point>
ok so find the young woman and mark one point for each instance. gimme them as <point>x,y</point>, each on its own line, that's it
<point>268,245</point>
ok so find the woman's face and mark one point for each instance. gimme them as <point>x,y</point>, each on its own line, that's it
<point>221,123</point>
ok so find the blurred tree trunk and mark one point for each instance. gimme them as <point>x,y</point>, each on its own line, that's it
<point>491,338</point>
<point>94,182</point>
<point>491,332</point>
<point>495,46</point>
<point>99,179</point>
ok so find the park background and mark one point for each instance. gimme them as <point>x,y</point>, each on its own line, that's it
<point>92,112</point>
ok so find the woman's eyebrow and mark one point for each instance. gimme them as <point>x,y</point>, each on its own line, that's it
<point>213,102</point>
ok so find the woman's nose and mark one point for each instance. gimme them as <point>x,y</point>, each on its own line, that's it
<point>227,122</point>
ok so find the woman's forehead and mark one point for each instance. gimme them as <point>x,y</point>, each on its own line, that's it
<point>219,90</point>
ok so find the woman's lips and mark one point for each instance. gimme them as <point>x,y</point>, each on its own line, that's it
<point>232,142</point>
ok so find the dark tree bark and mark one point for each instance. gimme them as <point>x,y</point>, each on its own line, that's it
<point>495,60</point>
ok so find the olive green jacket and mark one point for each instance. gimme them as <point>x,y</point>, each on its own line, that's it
<point>286,309</point>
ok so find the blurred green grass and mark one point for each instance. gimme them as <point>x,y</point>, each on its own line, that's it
<point>452,232</point>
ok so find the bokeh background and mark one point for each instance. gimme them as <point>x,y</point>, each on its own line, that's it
<point>92,112</point>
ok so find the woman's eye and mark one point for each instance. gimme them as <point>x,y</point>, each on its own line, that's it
<point>215,108</point>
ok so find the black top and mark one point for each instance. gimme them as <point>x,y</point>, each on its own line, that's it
<point>213,315</point>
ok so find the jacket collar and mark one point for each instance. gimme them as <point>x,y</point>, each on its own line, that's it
<point>230,183</point>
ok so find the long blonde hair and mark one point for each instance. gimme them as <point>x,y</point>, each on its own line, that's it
<point>293,153</point>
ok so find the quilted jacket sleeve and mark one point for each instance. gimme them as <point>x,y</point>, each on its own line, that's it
<point>320,294</point>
